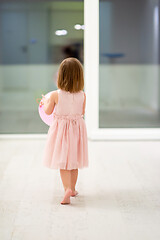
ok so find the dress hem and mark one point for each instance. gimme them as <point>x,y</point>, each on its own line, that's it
<point>58,167</point>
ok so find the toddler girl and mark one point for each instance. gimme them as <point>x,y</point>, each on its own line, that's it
<point>66,146</point>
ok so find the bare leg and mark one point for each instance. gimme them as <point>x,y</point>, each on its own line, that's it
<point>66,180</point>
<point>74,176</point>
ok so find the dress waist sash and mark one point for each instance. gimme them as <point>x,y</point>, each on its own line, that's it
<point>70,117</point>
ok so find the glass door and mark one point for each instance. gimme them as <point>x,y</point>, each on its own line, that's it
<point>129,64</point>
<point>35,36</point>
<point>121,61</point>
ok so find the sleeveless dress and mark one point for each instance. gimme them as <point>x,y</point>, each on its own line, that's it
<point>67,144</point>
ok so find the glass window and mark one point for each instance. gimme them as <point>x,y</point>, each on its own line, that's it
<point>34,38</point>
<point>129,86</point>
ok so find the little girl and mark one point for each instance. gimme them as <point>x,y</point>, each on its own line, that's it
<point>66,146</point>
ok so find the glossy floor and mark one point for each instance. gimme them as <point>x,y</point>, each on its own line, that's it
<point>119,194</point>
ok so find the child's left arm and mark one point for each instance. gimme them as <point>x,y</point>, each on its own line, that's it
<point>49,103</point>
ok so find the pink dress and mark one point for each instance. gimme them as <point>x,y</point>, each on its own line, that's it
<point>67,144</point>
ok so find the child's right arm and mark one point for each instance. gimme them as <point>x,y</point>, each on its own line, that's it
<point>49,103</point>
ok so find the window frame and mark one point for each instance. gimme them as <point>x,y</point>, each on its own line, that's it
<point>91,74</point>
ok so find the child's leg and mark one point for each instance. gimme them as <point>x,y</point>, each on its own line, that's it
<point>69,178</point>
<point>66,178</point>
<point>74,176</point>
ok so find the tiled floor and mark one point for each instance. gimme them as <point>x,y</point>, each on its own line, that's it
<point>119,194</point>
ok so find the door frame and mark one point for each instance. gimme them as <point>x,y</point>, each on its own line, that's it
<point>91,75</point>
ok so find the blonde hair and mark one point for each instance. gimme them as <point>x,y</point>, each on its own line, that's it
<point>70,75</point>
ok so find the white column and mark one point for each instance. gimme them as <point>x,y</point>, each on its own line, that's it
<point>91,64</point>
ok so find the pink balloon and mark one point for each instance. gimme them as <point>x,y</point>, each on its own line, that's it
<point>47,119</point>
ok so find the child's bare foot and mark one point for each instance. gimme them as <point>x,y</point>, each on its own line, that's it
<point>66,199</point>
<point>74,193</point>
